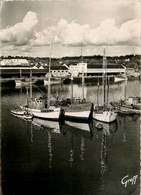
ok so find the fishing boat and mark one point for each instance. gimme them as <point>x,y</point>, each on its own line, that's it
<point>128,110</point>
<point>119,79</point>
<point>104,113</point>
<point>17,112</point>
<point>28,116</point>
<point>79,109</point>
<point>80,112</point>
<point>135,102</point>
<point>53,81</point>
<point>39,108</point>
<point>132,105</point>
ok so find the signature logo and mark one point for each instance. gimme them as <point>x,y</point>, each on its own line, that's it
<point>125,180</point>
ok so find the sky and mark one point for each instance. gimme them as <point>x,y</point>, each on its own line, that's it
<point>71,27</point>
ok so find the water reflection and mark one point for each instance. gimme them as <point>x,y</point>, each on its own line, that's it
<point>67,154</point>
<point>50,149</point>
<point>107,130</point>
<point>53,126</point>
<point>82,148</point>
<point>71,152</point>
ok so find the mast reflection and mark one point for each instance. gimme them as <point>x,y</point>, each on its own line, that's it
<point>82,148</point>
<point>107,130</point>
<point>50,149</point>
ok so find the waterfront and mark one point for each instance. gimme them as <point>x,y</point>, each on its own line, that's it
<point>41,157</point>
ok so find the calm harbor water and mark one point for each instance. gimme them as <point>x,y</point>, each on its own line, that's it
<point>44,157</point>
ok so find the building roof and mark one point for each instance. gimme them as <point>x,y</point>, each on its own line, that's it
<point>59,68</point>
<point>14,62</point>
<point>109,65</point>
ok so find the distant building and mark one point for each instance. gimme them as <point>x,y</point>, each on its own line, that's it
<point>14,62</point>
<point>95,69</point>
<point>80,68</point>
<point>59,71</point>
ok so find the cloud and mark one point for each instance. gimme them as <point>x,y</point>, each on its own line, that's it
<point>108,33</point>
<point>21,33</point>
<point>74,34</point>
<point>45,37</point>
<point>24,35</point>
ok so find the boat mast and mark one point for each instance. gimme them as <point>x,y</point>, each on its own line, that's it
<point>49,75</point>
<point>104,68</point>
<point>30,83</point>
<point>125,92</point>
<point>83,79</point>
<point>72,88</point>
<point>108,80</point>
<point>98,92</point>
<point>20,74</point>
<point>27,97</point>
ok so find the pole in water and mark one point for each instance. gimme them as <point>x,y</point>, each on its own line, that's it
<point>98,93</point>
<point>83,83</point>
<point>108,91</point>
<point>49,75</point>
<point>125,92</point>
<point>30,83</point>
<point>72,88</point>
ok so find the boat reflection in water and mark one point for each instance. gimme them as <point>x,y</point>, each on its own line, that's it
<point>82,131</point>
<point>53,126</point>
<point>107,131</point>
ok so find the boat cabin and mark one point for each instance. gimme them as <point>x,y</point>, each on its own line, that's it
<point>133,100</point>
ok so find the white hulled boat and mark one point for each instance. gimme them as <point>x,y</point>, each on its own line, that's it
<point>37,106</point>
<point>79,109</point>
<point>120,79</point>
<point>104,114</point>
<point>17,112</point>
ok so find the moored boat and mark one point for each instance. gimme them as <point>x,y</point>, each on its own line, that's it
<point>53,81</point>
<point>38,107</point>
<point>28,116</point>
<point>17,112</point>
<point>132,105</point>
<point>79,111</point>
<point>50,113</point>
<point>105,114</point>
<point>120,79</point>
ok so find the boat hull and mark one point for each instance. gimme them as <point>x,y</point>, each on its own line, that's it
<point>105,116</point>
<point>117,79</point>
<point>83,116</point>
<point>79,112</point>
<point>17,112</point>
<point>48,114</point>
<point>128,110</point>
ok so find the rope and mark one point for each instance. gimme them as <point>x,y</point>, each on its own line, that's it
<point>39,89</point>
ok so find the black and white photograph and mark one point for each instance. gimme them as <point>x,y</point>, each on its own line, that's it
<point>70,93</point>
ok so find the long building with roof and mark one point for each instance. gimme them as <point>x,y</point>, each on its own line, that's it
<point>16,67</point>
<point>95,69</point>
<point>14,62</point>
